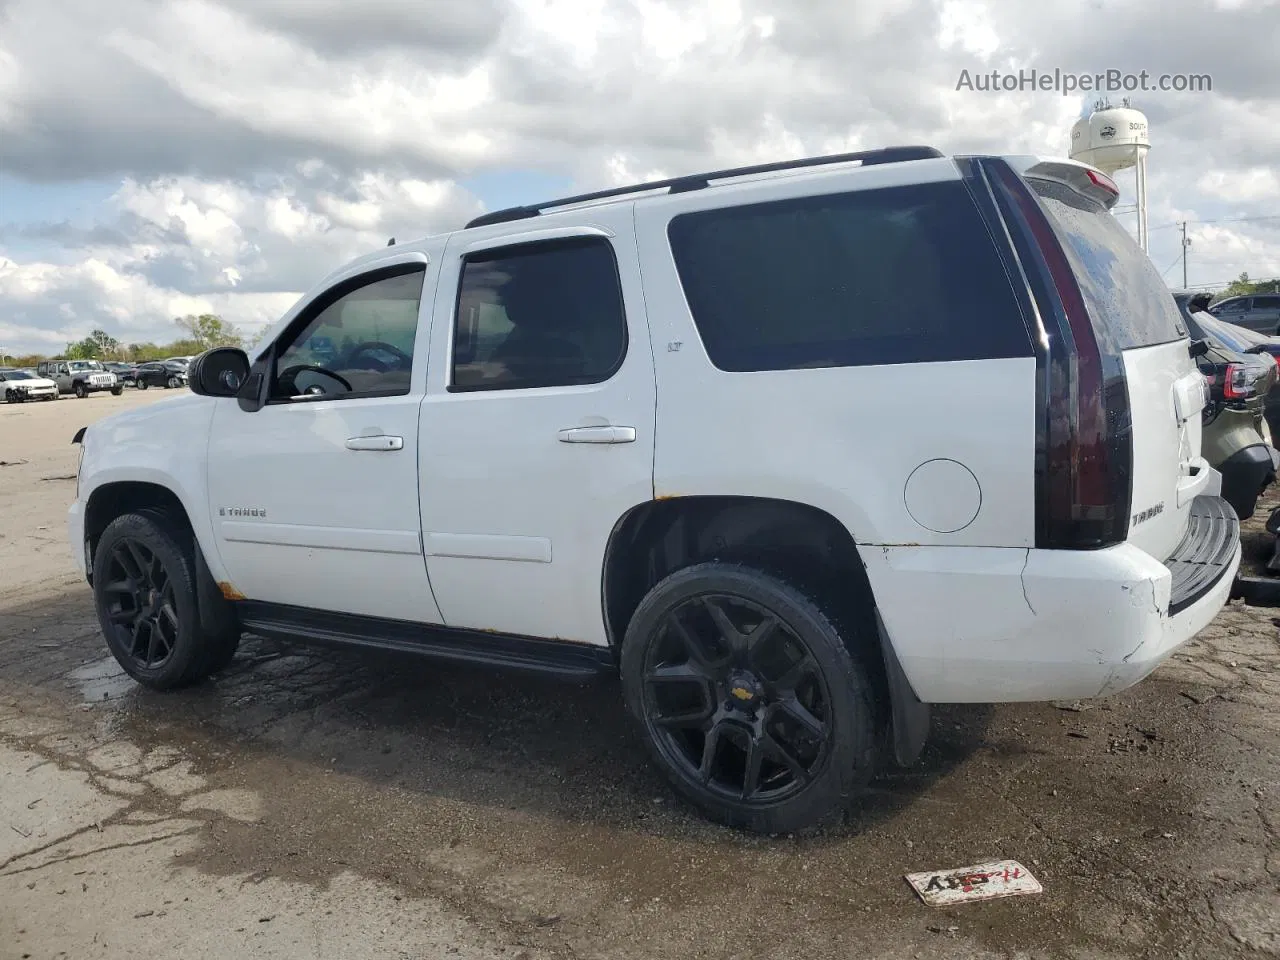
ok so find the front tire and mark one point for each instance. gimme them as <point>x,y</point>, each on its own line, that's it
<point>142,384</point>
<point>144,590</point>
<point>81,391</point>
<point>117,391</point>
<point>172,383</point>
<point>748,698</point>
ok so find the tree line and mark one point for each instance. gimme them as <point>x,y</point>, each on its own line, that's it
<point>197,334</point>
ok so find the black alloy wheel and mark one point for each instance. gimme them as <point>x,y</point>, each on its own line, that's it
<point>140,603</point>
<point>737,701</point>
<point>749,698</point>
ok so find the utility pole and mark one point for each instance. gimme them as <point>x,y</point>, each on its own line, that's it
<point>1185,243</point>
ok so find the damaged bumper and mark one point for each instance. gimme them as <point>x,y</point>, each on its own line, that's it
<point>988,625</point>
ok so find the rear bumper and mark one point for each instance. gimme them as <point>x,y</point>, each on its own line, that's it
<point>982,625</point>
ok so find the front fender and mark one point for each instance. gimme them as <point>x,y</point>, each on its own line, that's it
<point>165,444</point>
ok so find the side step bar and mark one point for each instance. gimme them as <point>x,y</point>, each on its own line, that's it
<point>557,658</point>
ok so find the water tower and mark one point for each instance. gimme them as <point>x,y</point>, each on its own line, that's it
<point>1115,138</point>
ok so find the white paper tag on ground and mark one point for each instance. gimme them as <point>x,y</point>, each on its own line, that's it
<point>986,881</point>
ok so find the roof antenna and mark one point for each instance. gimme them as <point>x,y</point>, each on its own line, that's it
<point>391,242</point>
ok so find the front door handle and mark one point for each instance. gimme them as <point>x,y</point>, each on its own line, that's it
<point>378,444</point>
<point>606,434</point>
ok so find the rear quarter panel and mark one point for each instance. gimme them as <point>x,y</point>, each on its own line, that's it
<point>843,439</point>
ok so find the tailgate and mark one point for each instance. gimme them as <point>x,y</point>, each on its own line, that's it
<point>1166,394</point>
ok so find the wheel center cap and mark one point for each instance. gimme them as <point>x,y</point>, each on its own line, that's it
<point>744,689</point>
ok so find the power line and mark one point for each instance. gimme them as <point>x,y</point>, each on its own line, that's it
<point>1178,223</point>
<point>1164,273</point>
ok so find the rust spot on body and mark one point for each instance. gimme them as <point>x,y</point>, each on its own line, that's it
<point>229,591</point>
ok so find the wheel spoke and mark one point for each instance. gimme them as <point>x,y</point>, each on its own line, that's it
<point>731,635</point>
<point>797,711</point>
<point>122,616</point>
<point>751,775</point>
<point>710,748</point>
<point>795,674</point>
<point>118,586</point>
<point>136,635</point>
<point>152,643</point>
<point>693,646</point>
<point>780,752</point>
<point>142,564</point>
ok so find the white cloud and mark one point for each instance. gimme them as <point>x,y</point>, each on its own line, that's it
<point>259,143</point>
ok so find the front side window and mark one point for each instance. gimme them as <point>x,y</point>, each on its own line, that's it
<point>539,315</point>
<point>1234,306</point>
<point>356,341</point>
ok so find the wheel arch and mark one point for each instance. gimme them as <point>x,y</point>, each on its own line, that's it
<point>803,542</point>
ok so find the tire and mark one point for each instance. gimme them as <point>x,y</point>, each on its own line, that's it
<point>80,390</point>
<point>792,697</point>
<point>172,383</point>
<point>142,384</point>
<point>117,391</point>
<point>144,592</point>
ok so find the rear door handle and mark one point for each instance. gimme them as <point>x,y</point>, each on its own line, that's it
<point>608,434</point>
<point>378,444</point>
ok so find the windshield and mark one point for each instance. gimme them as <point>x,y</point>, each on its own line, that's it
<point>78,365</point>
<point>15,375</point>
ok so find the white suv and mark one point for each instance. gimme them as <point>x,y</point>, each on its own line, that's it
<point>798,449</point>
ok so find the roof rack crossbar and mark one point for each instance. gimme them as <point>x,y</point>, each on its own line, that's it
<point>700,181</point>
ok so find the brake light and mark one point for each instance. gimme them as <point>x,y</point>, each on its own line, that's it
<point>1085,453</point>
<point>1103,181</point>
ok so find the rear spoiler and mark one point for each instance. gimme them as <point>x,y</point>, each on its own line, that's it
<point>1080,177</point>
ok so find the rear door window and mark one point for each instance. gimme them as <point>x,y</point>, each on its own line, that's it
<point>1266,303</point>
<point>1127,300</point>
<point>897,275</point>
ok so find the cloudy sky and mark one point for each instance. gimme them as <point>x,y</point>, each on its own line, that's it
<point>164,157</point>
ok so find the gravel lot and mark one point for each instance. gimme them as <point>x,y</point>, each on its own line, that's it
<point>320,804</point>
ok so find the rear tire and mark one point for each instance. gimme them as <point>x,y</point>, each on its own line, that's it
<point>142,384</point>
<point>748,698</point>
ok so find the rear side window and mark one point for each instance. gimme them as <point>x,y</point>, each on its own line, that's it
<point>898,275</point>
<point>1128,302</point>
<point>1266,303</point>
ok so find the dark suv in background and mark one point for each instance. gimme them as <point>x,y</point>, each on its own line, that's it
<point>1259,311</point>
<point>161,373</point>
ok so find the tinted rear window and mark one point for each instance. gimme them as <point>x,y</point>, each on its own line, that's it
<point>1266,303</point>
<point>899,275</point>
<point>1129,303</point>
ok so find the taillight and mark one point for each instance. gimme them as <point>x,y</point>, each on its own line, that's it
<point>1085,452</point>
<point>1237,384</point>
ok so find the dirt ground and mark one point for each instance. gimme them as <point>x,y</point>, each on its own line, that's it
<point>318,804</point>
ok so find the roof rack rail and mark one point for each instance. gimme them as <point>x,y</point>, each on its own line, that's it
<point>700,181</point>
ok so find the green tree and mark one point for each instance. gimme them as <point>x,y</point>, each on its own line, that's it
<point>1243,286</point>
<point>108,346</point>
<point>86,349</point>
<point>209,330</point>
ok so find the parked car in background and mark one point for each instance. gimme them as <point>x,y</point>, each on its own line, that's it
<point>1234,437</point>
<point>17,386</point>
<point>183,362</point>
<point>1259,311</point>
<point>81,377</point>
<point>126,373</point>
<point>161,373</point>
<point>1247,341</point>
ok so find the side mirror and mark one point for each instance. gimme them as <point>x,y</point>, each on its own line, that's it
<point>220,372</point>
<point>1198,348</point>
